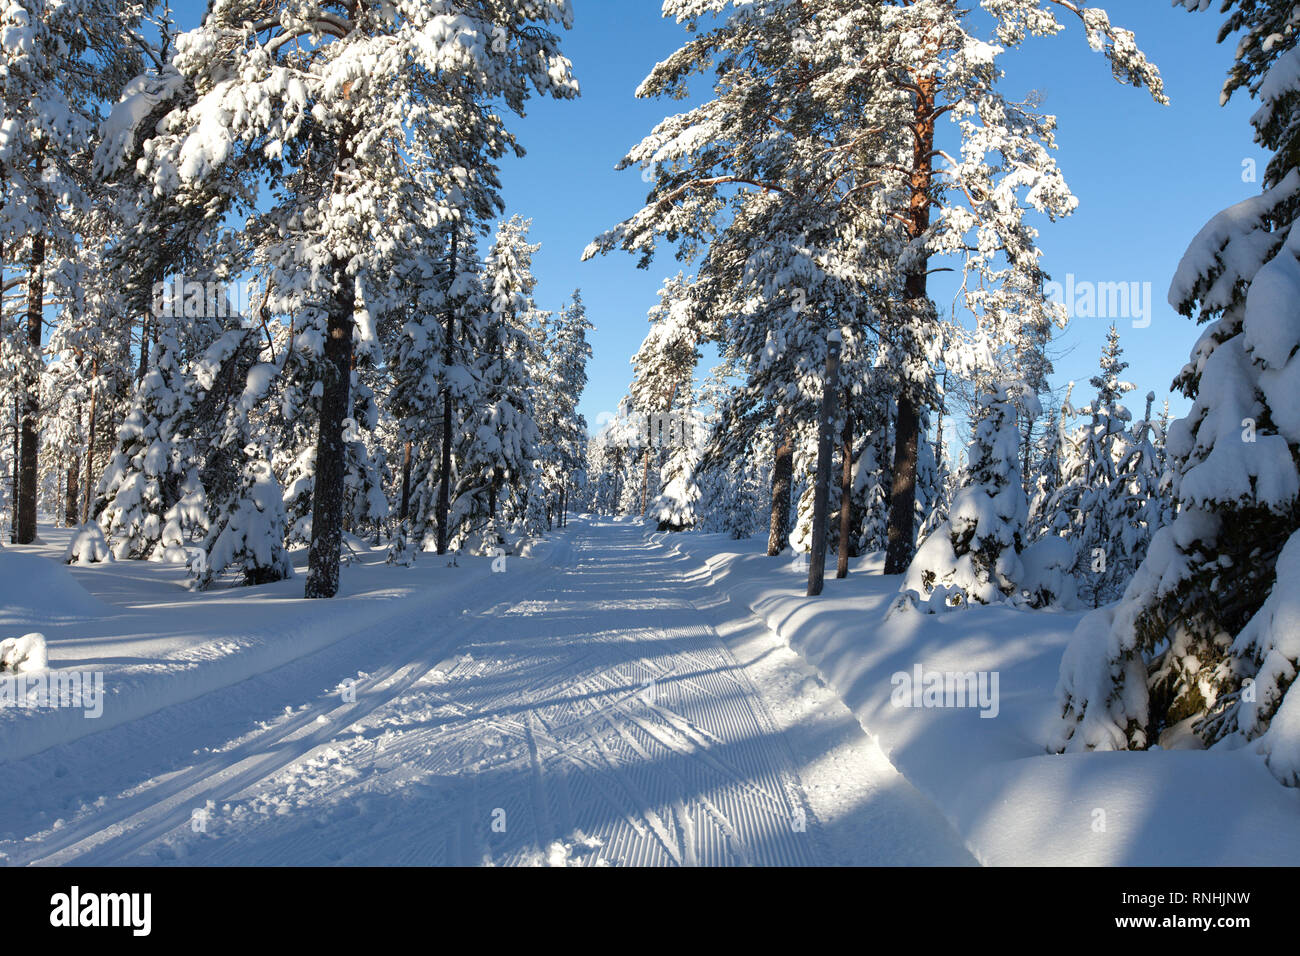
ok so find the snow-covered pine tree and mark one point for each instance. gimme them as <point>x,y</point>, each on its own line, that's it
<point>943,63</point>
<point>371,120</point>
<point>814,95</point>
<point>57,60</point>
<point>791,252</point>
<point>1205,634</point>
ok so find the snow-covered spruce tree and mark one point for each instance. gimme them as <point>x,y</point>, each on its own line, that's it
<point>370,120</point>
<point>676,508</point>
<point>234,388</point>
<point>1205,635</point>
<point>1098,488</point>
<point>975,554</point>
<point>1098,534</point>
<point>1053,445</point>
<point>248,534</point>
<point>661,384</point>
<point>401,549</point>
<point>500,439</point>
<point>1161,505</point>
<point>441,299</point>
<point>871,492</point>
<point>563,380</point>
<point>154,456</point>
<point>1135,507</point>
<point>88,546</point>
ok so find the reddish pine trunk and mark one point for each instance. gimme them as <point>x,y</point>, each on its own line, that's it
<point>902,501</point>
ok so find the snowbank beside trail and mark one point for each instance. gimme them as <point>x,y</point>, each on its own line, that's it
<point>152,644</point>
<point>1011,801</point>
<point>34,590</point>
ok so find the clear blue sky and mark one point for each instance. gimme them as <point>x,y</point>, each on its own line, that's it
<point>1147,177</point>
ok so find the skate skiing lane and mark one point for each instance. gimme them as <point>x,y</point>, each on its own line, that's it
<point>605,708</point>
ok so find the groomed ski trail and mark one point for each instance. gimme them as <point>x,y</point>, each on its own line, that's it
<point>582,713</point>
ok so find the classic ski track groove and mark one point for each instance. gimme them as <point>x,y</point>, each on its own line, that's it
<point>190,780</point>
<point>595,706</point>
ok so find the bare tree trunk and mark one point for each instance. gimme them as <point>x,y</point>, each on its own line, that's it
<point>822,481</point>
<point>328,493</point>
<point>444,487</point>
<point>1026,445</point>
<point>645,481</point>
<point>144,348</point>
<point>938,424</point>
<point>30,438</point>
<point>88,488</point>
<point>405,511</point>
<point>13,476</point>
<point>70,492</point>
<point>902,501</point>
<point>782,476</point>
<point>616,504</point>
<point>902,497</point>
<point>846,489</point>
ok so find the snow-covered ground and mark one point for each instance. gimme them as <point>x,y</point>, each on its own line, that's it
<point>599,703</point>
<point>992,778</point>
<point>617,698</point>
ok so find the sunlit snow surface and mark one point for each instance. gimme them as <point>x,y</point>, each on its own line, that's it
<point>597,704</point>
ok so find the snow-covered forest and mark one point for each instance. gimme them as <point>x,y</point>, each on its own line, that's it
<point>283,415</point>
